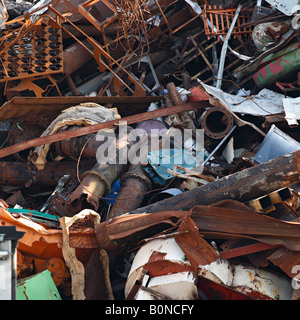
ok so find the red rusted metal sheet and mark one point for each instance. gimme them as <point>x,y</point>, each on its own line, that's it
<point>215,291</point>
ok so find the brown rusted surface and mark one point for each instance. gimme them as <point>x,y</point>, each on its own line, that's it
<point>19,107</point>
<point>157,256</point>
<point>74,58</point>
<point>19,173</point>
<point>162,267</point>
<point>197,250</point>
<point>263,228</point>
<point>133,182</point>
<point>216,291</point>
<point>244,250</point>
<point>217,122</point>
<point>84,238</point>
<point>130,229</point>
<point>25,53</point>
<point>286,260</point>
<point>84,146</point>
<point>129,198</point>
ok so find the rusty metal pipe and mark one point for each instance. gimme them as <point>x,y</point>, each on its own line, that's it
<point>75,56</point>
<point>20,173</point>
<point>86,146</point>
<point>176,99</point>
<point>96,183</point>
<point>242,186</point>
<point>134,184</point>
<point>217,122</point>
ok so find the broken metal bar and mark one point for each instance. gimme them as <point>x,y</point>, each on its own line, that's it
<point>219,145</point>
<point>106,125</point>
<point>252,248</point>
<point>225,46</point>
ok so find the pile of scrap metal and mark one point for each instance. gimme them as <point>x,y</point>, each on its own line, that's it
<point>73,72</point>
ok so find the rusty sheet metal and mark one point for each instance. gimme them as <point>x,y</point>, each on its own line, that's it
<point>95,128</point>
<point>196,248</point>
<point>249,223</point>
<point>286,260</point>
<point>125,229</point>
<point>217,291</point>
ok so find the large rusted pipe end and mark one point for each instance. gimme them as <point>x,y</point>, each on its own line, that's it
<point>94,185</point>
<point>217,122</point>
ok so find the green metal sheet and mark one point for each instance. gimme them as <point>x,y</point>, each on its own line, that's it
<point>38,287</point>
<point>283,66</point>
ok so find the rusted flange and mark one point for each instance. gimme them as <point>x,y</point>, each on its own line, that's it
<point>217,122</point>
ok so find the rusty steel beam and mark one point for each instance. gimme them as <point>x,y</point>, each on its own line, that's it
<point>242,186</point>
<point>106,125</point>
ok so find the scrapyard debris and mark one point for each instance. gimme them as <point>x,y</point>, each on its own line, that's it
<point>150,149</point>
